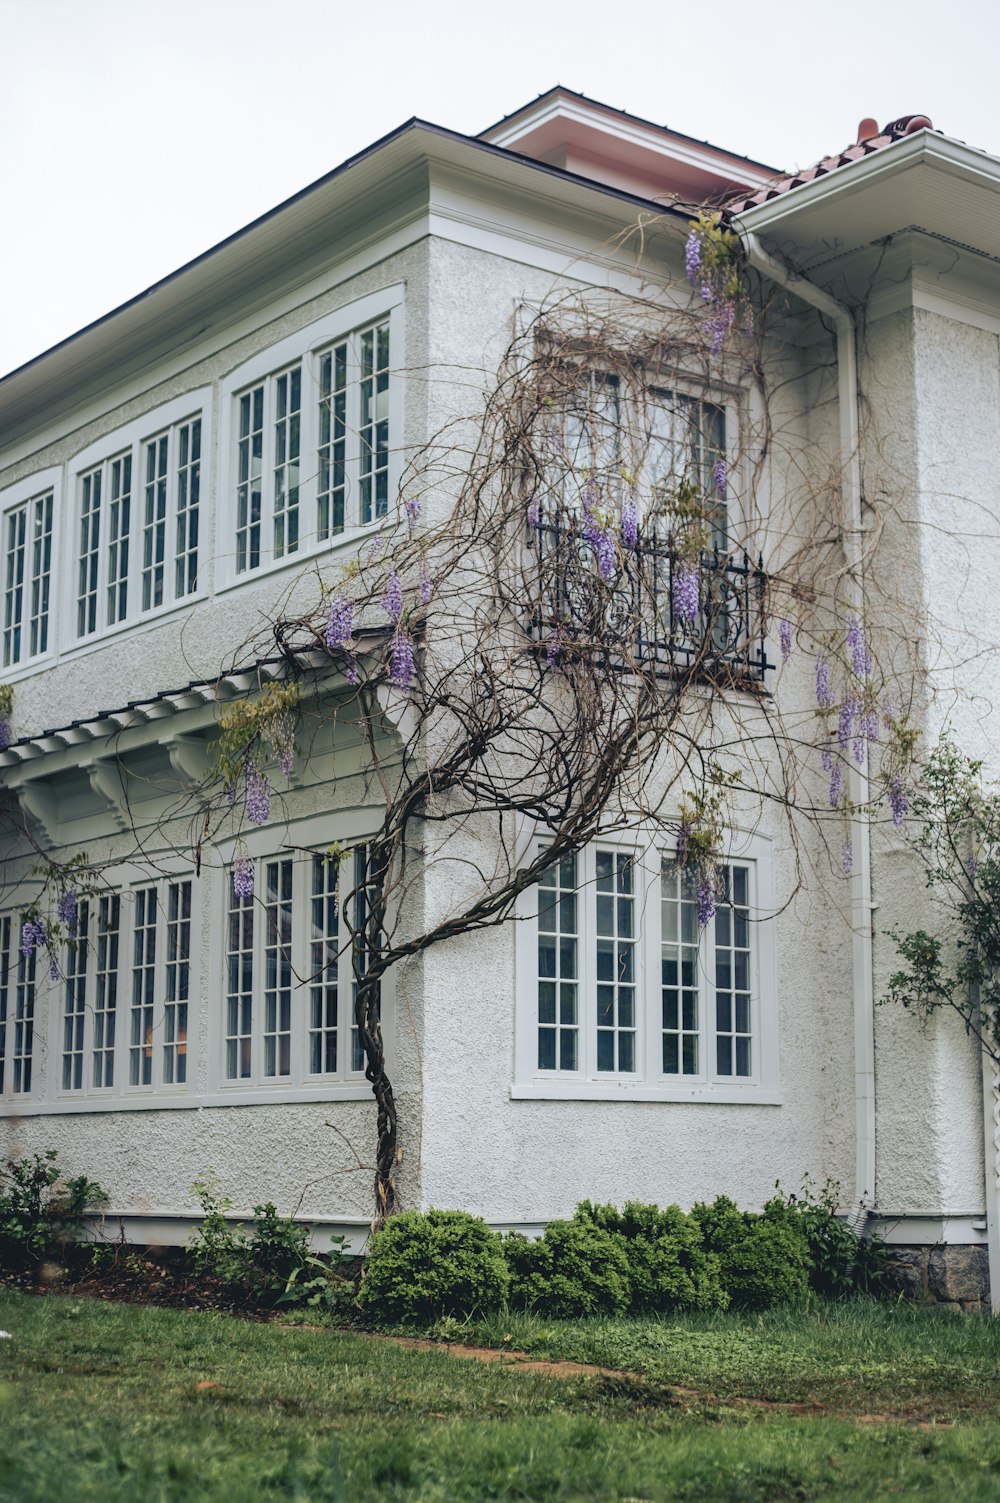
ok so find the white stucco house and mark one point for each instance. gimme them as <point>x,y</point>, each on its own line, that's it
<point>150,522</point>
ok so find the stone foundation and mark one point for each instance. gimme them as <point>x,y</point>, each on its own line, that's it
<point>949,1274</point>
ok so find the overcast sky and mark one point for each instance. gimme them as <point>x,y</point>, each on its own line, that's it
<point>134,134</point>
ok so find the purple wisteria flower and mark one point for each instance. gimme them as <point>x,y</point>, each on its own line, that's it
<point>353,672</point>
<point>67,910</point>
<point>845,724</point>
<point>719,475</point>
<point>553,647</point>
<point>414,506</point>
<point>859,751</point>
<point>392,600</point>
<point>705,898</point>
<point>341,623</point>
<point>683,841</point>
<point>836,782</point>
<point>242,878</point>
<point>600,540</point>
<point>5,733</point>
<point>53,967</point>
<point>630,523</point>
<point>847,858</point>
<point>424,586</point>
<point>899,803</point>
<point>402,665</point>
<point>692,257</point>
<point>868,725</point>
<point>258,796</point>
<point>860,660</point>
<point>824,694</point>
<point>972,866</point>
<point>826,759</point>
<point>785,640</point>
<point>534,514</point>
<point>34,936</point>
<point>686,592</point>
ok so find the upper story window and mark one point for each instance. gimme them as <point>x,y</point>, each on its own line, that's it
<point>311,430</point>
<point>618,984</point>
<point>27,576</point>
<point>658,442</point>
<point>138,509</point>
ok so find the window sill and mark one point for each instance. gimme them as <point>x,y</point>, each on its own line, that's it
<point>624,1090</point>
<point>256,1096</point>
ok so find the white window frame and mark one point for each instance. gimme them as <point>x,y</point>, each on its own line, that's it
<point>123,1091</point>
<point>300,841</point>
<point>648,1082</point>
<point>13,499</point>
<point>304,350</point>
<point>99,458</point>
<point>17,970</point>
<point>348,1080</point>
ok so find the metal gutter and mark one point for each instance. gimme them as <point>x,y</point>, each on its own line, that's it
<point>861,883</point>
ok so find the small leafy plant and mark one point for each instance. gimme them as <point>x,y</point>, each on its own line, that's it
<point>269,1264</point>
<point>39,1210</point>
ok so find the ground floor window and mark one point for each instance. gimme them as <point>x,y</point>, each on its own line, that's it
<point>619,982</point>
<point>290,989</point>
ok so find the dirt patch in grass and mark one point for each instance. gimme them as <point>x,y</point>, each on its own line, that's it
<point>622,1384</point>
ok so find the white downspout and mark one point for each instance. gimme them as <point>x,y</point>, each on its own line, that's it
<point>861,880</point>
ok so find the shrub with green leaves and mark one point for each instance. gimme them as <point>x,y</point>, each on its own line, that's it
<point>424,1265</point>
<point>841,1264</point>
<point>669,1267</point>
<point>575,1269</point>
<point>763,1259</point>
<point>39,1210</point>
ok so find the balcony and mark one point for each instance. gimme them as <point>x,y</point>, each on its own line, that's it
<point>641,615</point>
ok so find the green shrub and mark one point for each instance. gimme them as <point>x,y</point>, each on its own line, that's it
<point>575,1269</point>
<point>669,1267</point>
<point>268,1265</point>
<point>840,1263</point>
<point>426,1265</point>
<point>39,1210</point>
<point>763,1259</point>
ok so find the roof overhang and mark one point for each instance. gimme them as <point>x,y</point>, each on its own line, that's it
<point>567,127</point>
<point>926,183</point>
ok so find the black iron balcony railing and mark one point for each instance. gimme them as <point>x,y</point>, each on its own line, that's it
<point>660,608</point>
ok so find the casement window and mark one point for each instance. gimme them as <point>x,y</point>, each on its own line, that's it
<point>311,429</point>
<point>27,575</point>
<point>605,439</point>
<point>125,989</point>
<point>139,516</point>
<point>619,985</point>
<point>17,1013</point>
<point>289,1002</point>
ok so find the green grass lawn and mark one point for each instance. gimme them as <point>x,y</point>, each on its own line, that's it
<point>110,1403</point>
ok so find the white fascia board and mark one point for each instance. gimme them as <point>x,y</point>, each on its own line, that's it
<point>941,153</point>
<point>630,133</point>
